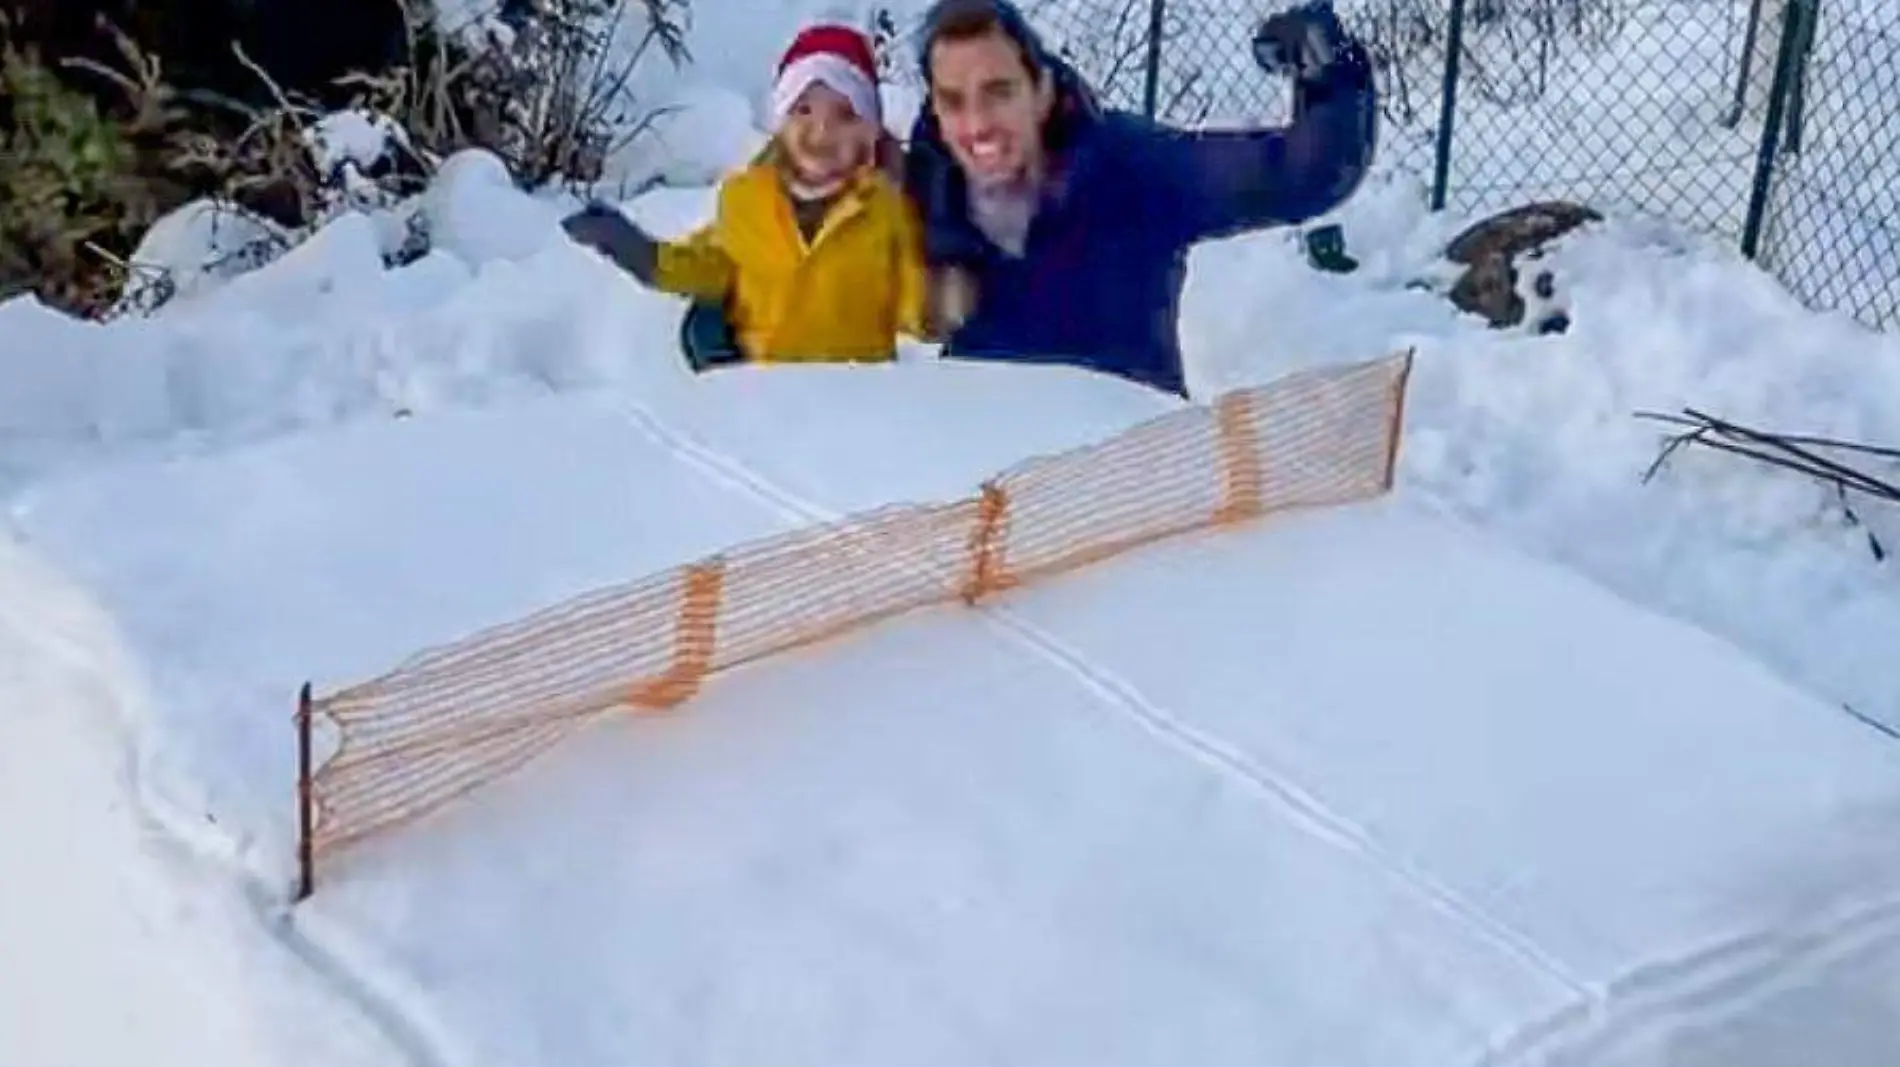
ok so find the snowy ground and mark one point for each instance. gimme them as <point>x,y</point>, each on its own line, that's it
<point>1395,765</point>
<point>1447,755</point>
<point>116,942</point>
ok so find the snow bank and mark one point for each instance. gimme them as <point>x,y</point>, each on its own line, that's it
<point>114,947</point>
<point>1537,436</point>
<point>503,308</point>
<point>201,245</point>
<point>1534,435</point>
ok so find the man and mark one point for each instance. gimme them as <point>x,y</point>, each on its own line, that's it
<point>1069,225</point>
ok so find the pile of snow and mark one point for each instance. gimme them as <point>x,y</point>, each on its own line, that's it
<point>198,247</point>
<point>1538,437</point>
<point>502,306</point>
<point>476,213</point>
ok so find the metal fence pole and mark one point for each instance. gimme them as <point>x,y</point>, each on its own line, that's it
<point>1798,79</point>
<point>306,863</point>
<point>1448,104</point>
<point>1786,60</point>
<point>1749,36</point>
<point>1151,87</point>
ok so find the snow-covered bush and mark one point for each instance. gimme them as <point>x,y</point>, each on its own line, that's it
<point>70,189</point>
<point>542,85</point>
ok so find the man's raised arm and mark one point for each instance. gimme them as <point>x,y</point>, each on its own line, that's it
<point>1224,182</point>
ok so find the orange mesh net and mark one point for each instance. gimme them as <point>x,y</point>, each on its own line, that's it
<point>452,718</point>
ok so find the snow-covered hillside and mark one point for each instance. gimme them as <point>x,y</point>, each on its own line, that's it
<point>1531,762</point>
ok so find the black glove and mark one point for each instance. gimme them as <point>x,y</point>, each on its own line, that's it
<point>1303,42</point>
<point>607,231</point>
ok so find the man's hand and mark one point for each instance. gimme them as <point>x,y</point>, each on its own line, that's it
<point>1302,41</point>
<point>953,294</point>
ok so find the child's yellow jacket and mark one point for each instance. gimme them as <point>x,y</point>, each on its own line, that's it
<point>843,298</point>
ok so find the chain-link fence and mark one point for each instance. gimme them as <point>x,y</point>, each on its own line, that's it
<point>1625,105</point>
<point>1767,124</point>
<point>1830,219</point>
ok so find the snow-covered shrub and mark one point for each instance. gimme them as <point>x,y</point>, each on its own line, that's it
<point>194,248</point>
<point>540,85</point>
<point>71,191</point>
<point>83,179</point>
<point>545,88</point>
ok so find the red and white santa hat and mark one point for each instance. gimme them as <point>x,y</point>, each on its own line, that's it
<point>832,54</point>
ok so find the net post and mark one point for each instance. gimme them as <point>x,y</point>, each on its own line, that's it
<point>306,861</point>
<point>1396,429</point>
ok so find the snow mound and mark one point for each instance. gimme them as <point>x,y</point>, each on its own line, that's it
<point>1540,437</point>
<point>476,213</point>
<point>198,247</point>
<point>504,307</point>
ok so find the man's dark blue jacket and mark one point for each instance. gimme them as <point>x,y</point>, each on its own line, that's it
<point>1099,283</point>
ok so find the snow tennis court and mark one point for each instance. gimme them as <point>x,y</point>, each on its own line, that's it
<point>1520,762</point>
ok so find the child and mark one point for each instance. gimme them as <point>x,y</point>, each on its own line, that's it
<point>813,253</point>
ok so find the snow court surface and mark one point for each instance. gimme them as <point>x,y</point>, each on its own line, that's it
<point>1354,788</point>
<point>939,843</point>
<point>326,556</point>
<point>331,555</point>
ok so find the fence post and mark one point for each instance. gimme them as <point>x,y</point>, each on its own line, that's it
<point>1787,58</point>
<point>1798,77</point>
<point>306,863</point>
<point>1448,104</point>
<point>1747,65</point>
<point>1151,87</point>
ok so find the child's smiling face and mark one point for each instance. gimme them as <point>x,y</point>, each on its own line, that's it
<point>823,138</point>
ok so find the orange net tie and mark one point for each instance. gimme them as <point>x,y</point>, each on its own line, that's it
<point>695,636</point>
<point>987,571</point>
<point>1241,468</point>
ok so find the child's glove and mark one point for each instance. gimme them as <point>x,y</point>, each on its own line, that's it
<point>1303,42</point>
<point>607,231</point>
